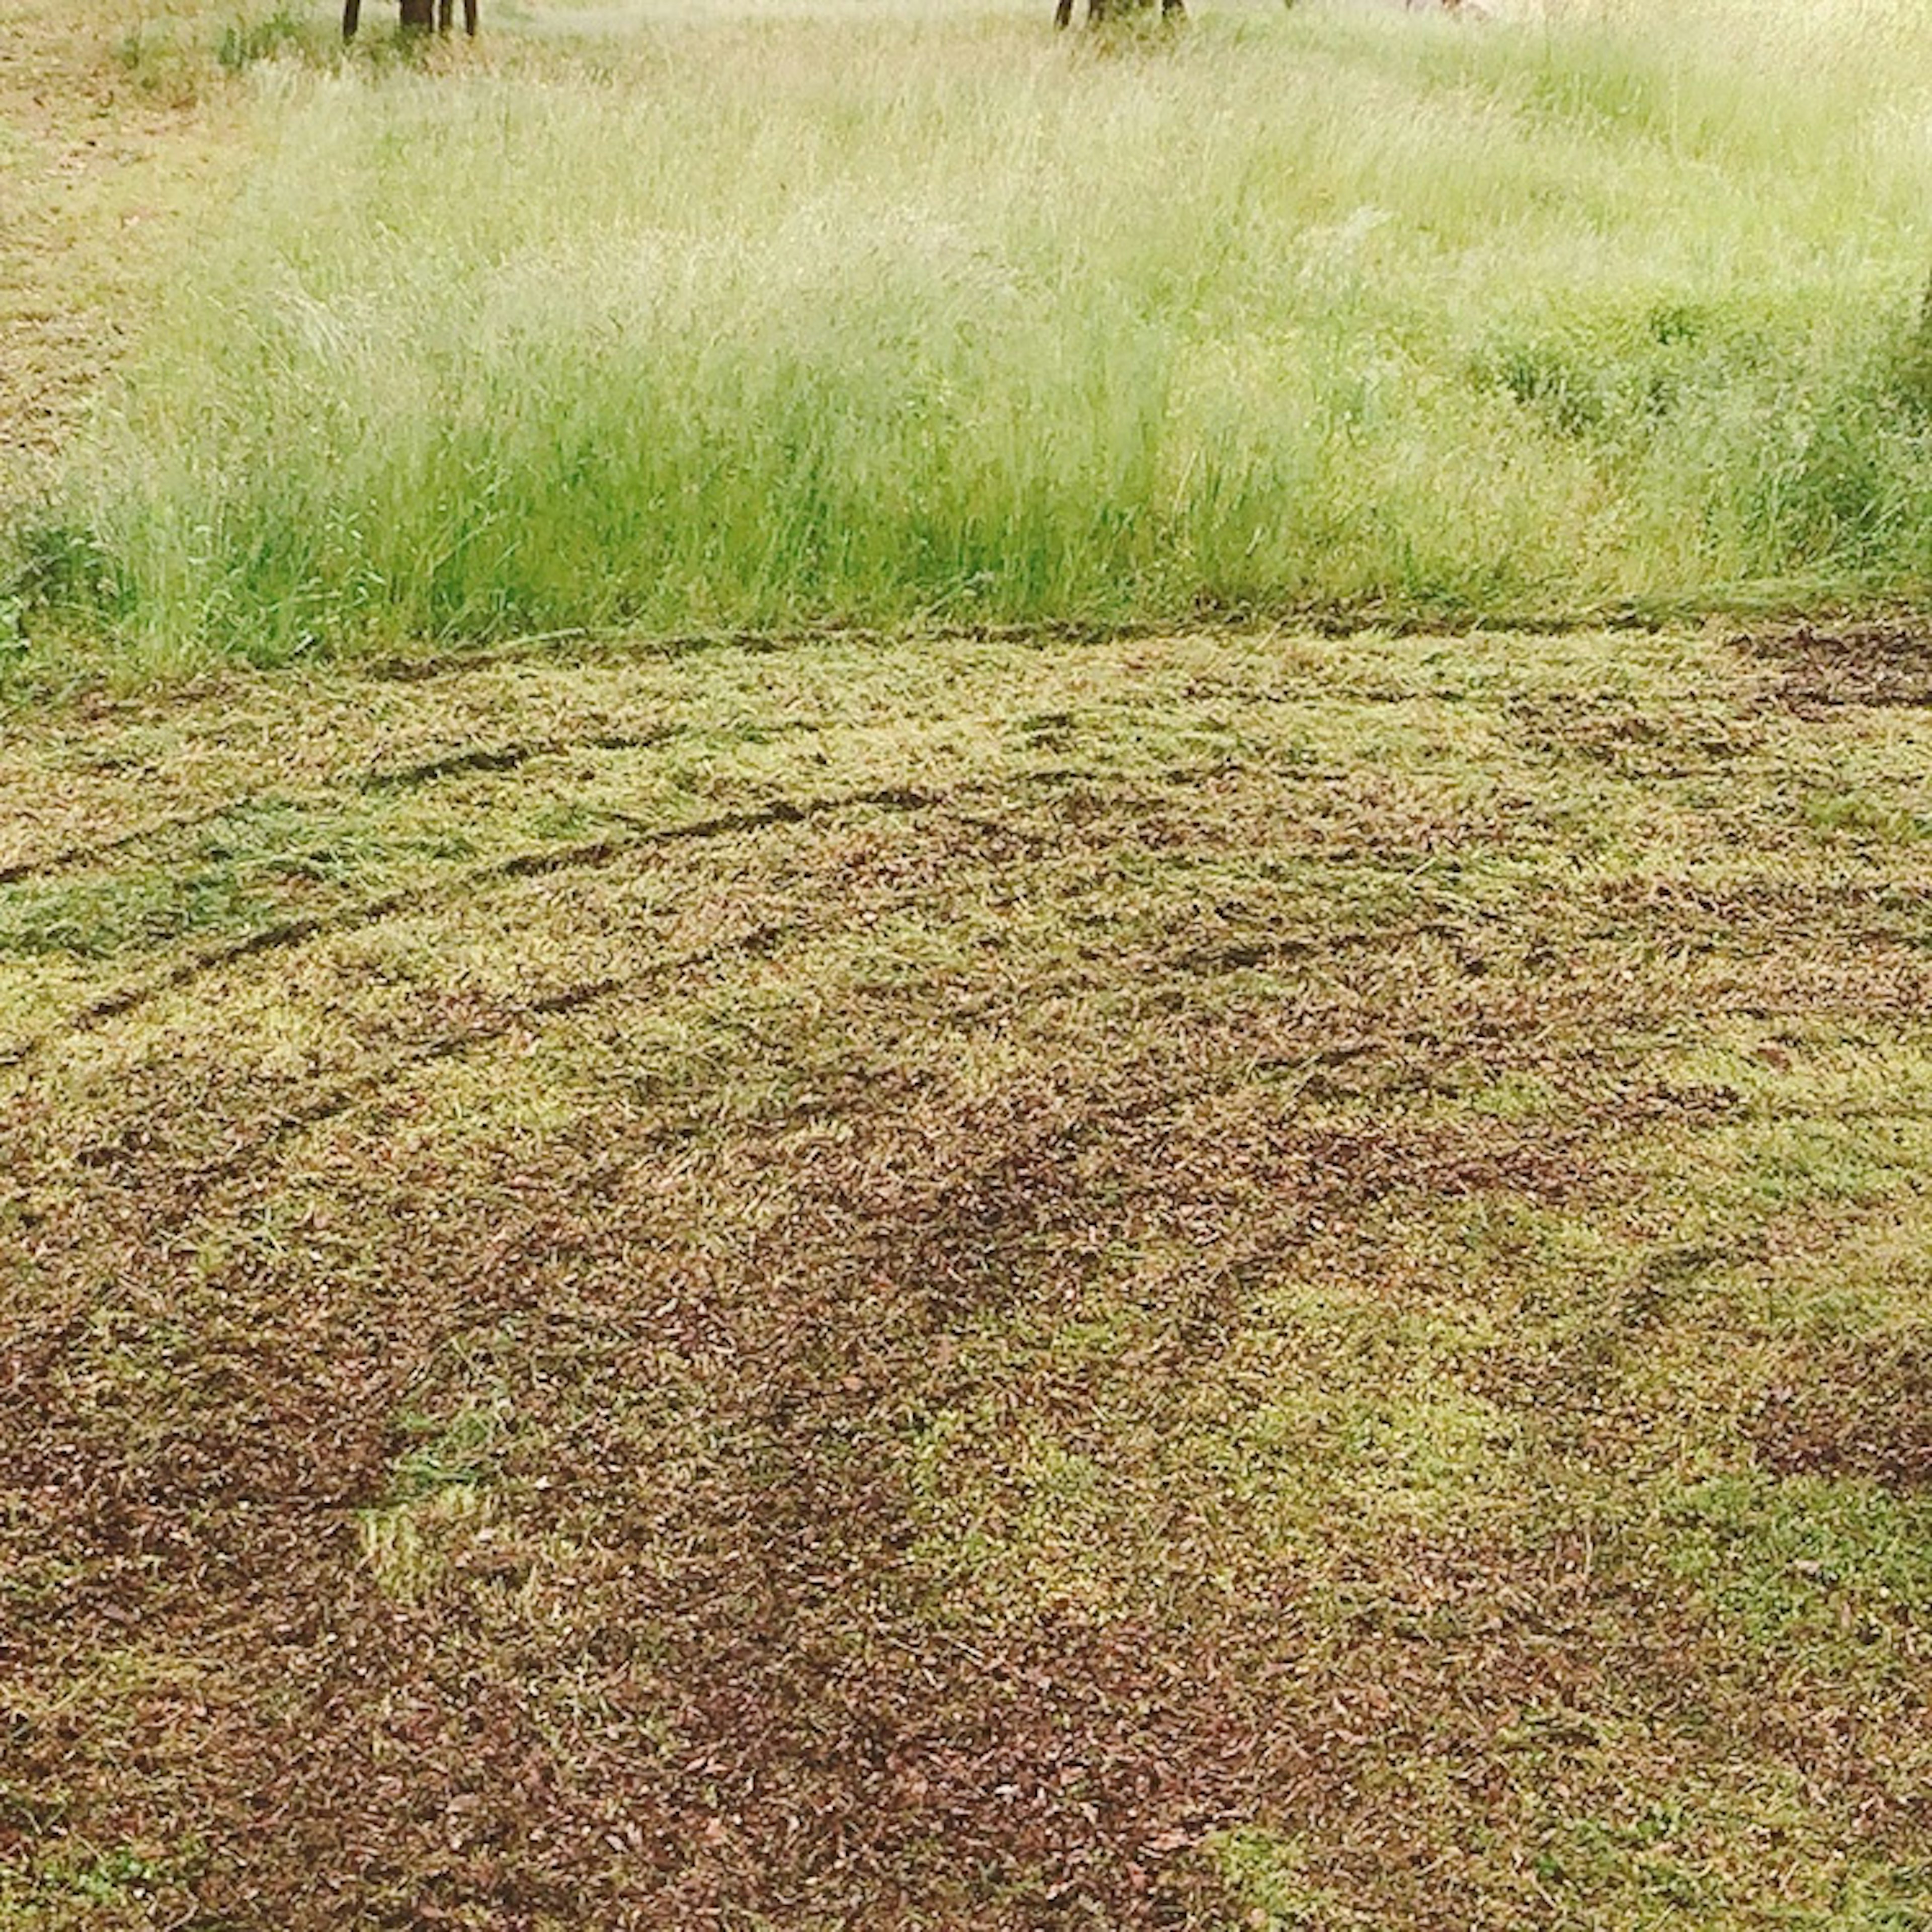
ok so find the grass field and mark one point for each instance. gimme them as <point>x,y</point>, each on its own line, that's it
<point>663,321</point>
<point>1216,1280</point>
<point>726,1267</point>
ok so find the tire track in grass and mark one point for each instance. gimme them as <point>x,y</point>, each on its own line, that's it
<point>462,762</point>
<point>30,1362</point>
<point>465,760</point>
<point>1069,1758</point>
<point>343,1095</point>
<point>340,1097</point>
<point>1008,1741</point>
<point>587,855</point>
<point>72,858</point>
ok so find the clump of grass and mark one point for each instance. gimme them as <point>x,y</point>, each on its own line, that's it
<point>158,61</point>
<point>175,57</point>
<point>439,1498</point>
<point>405,1544</point>
<point>1268,1874</point>
<point>244,42</point>
<point>753,325</point>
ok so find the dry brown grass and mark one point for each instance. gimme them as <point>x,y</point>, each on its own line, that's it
<point>1199,1281</point>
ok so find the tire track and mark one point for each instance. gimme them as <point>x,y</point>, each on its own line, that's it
<point>71,858</point>
<point>461,763</point>
<point>757,942</point>
<point>343,1097</point>
<point>27,1360</point>
<point>466,759</point>
<point>589,855</point>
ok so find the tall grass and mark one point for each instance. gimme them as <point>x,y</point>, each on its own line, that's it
<point>756,322</point>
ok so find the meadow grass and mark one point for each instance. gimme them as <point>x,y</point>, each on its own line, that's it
<point>756,322</point>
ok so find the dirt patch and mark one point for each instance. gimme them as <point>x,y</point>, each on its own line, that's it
<point>1857,1409</point>
<point>1822,670</point>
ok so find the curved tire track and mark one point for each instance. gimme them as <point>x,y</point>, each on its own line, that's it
<point>588,855</point>
<point>462,762</point>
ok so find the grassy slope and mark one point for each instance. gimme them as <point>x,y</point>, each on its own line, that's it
<point>1009,1284</point>
<point>754,320</point>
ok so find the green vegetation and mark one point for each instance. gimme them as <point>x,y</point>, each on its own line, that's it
<point>759,323</point>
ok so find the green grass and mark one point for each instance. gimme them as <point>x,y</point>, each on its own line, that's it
<point>756,322</point>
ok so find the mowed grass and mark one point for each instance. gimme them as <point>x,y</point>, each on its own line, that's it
<point>1223,1280</point>
<point>750,321</point>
